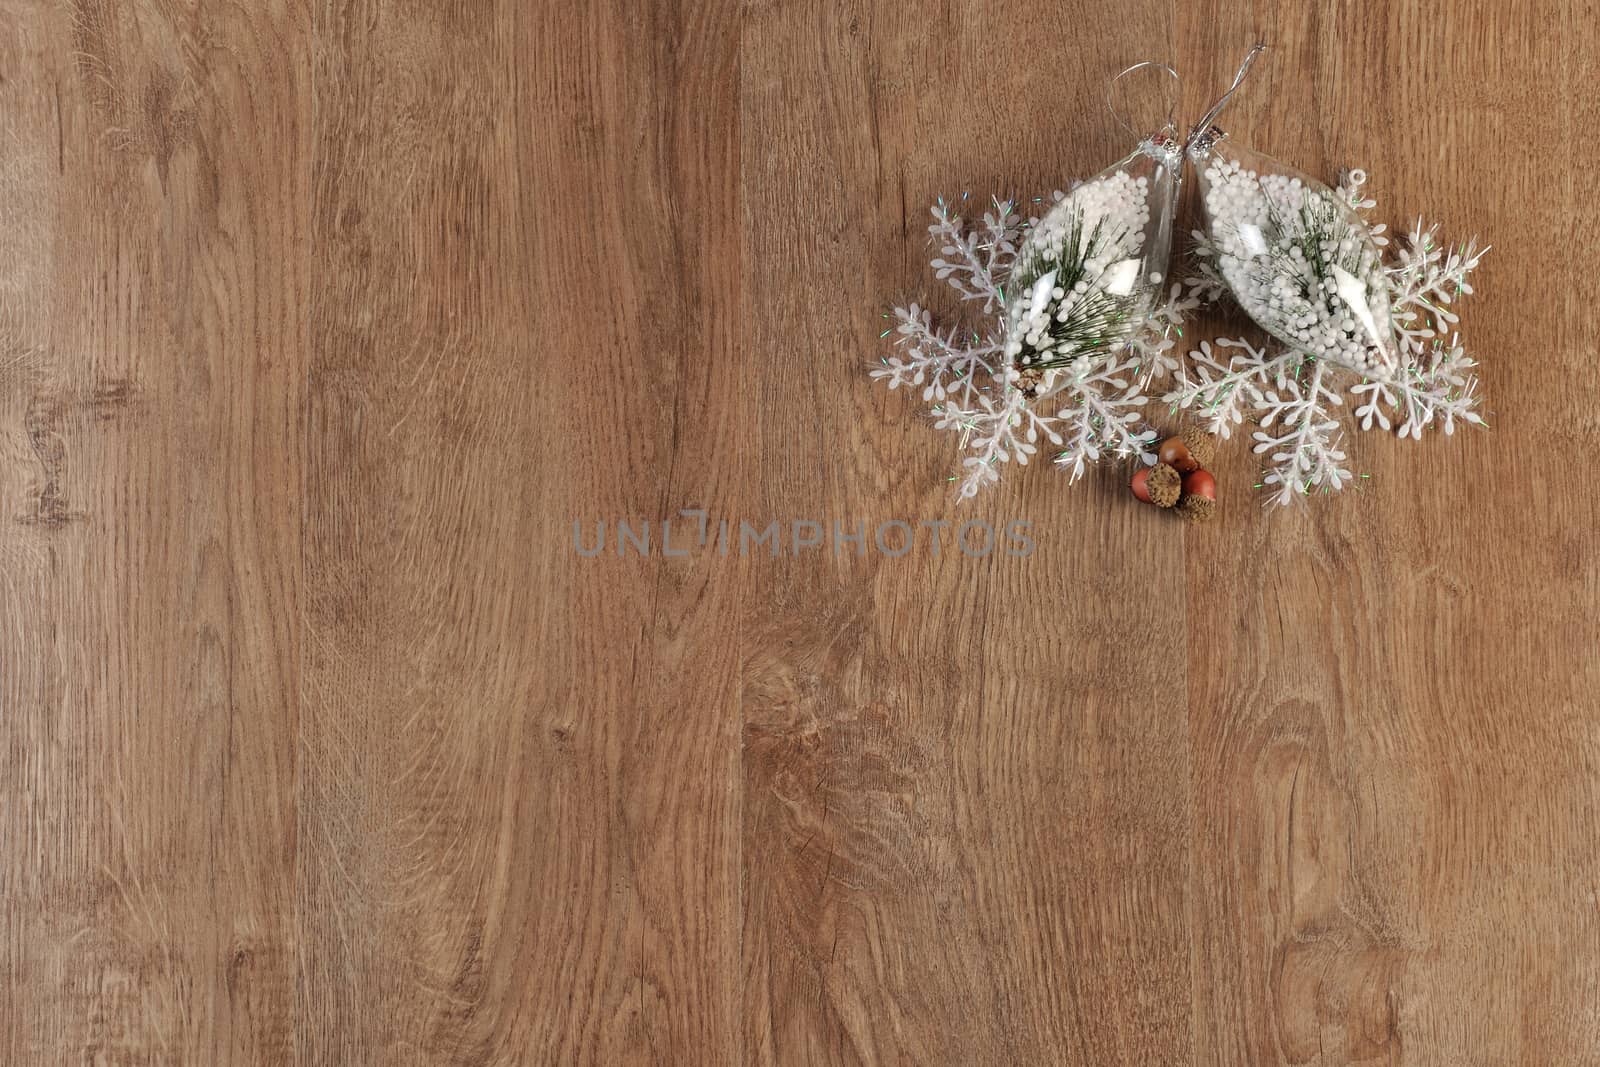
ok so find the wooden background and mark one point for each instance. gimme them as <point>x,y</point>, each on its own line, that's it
<point>320,324</point>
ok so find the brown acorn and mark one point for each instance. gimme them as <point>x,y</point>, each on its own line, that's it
<point>1199,501</point>
<point>1175,454</point>
<point>1199,482</point>
<point>1140,484</point>
<point>1197,508</point>
<point>1202,446</point>
<point>1164,485</point>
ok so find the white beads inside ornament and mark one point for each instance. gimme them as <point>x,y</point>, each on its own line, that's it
<point>1089,270</point>
<point>1118,204</point>
<point>1298,260</point>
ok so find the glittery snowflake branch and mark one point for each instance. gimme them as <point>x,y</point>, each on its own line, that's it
<point>1220,387</point>
<point>990,433</point>
<point>1156,346</point>
<point>1089,410</point>
<point>1097,410</point>
<point>1428,278</point>
<point>1434,385</point>
<point>938,362</point>
<point>1299,435</point>
<point>1295,398</point>
<point>1104,411</point>
<point>1435,380</point>
<point>979,257</point>
<point>1204,281</point>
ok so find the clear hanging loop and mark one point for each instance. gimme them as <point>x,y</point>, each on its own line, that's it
<point>1172,106</point>
<point>1201,133</point>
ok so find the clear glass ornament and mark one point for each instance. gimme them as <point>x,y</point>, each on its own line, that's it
<point>1294,253</point>
<point>1091,270</point>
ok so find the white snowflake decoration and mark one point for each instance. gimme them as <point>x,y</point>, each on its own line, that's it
<point>1295,398</point>
<point>1084,411</point>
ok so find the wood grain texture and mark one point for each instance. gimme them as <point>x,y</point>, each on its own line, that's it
<point>1394,783</point>
<point>151,374</point>
<point>322,324</point>
<point>517,810</point>
<point>955,849</point>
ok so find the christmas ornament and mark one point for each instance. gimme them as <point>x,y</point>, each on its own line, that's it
<point>1296,258</point>
<point>1091,270</point>
<point>1083,322</point>
<point>1302,262</point>
<point>1082,319</point>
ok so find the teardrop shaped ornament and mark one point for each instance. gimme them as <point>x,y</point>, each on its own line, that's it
<point>1295,255</point>
<point>1092,269</point>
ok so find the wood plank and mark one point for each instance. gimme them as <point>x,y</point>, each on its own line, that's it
<point>1394,751</point>
<point>517,810</point>
<point>152,298</point>
<point>965,827</point>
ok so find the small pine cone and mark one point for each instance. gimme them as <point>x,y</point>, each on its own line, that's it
<point>1196,508</point>
<point>1165,485</point>
<point>1202,446</point>
<point>1030,380</point>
